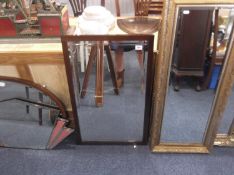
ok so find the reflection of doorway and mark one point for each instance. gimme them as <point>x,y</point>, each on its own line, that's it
<point>123,118</point>
<point>191,44</point>
<point>200,45</point>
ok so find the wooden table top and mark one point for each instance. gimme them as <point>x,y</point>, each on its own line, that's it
<point>51,45</point>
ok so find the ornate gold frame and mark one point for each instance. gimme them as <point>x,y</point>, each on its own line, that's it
<point>166,38</point>
<point>226,139</point>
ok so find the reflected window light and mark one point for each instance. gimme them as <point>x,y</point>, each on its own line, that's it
<point>2,84</point>
<point>186,12</point>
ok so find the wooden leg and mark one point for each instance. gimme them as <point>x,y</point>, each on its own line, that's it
<point>40,109</point>
<point>99,75</point>
<point>75,55</point>
<point>112,69</point>
<point>140,58</point>
<point>88,70</point>
<point>177,83</point>
<point>198,86</point>
<point>231,129</point>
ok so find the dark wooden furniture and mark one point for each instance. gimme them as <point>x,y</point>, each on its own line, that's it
<point>77,6</point>
<point>191,43</point>
<point>156,7</point>
<point>148,7</point>
<point>141,7</point>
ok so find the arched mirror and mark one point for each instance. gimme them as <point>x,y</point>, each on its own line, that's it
<point>31,116</point>
<point>193,61</point>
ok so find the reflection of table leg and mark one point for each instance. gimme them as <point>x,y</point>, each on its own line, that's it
<point>97,51</point>
<point>112,70</point>
<point>177,83</point>
<point>88,70</point>
<point>99,75</point>
<point>27,96</point>
<point>40,109</point>
<point>231,129</point>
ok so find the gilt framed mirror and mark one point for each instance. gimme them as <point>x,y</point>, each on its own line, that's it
<point>194,70</point>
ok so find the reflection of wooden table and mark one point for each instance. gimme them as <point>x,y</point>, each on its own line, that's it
<point>37,60</point>
<point>41,63</point>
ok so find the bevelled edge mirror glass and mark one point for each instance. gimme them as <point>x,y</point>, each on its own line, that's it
<point>164,59</point>
<point>106,110</point>
<point>31,115</point>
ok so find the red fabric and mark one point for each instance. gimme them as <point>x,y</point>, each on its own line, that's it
<point>7,28</point>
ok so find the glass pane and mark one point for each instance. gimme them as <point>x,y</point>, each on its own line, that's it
<point>198,57</point>
<point>24,123</point>
<point>112,112</point>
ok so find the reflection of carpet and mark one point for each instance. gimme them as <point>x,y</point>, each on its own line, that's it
<point>121,118</point>
<point>186,115</point>
<point>18,129</point>
<point>24,134</point>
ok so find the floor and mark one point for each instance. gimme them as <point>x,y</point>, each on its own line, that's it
<point>70,159</point>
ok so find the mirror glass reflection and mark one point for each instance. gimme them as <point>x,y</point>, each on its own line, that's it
<point>24,123</point>
<point>110,86</point>
<point>200,44</point>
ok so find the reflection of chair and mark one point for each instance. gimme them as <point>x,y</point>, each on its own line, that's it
<point>156,7</point>
<point>93,53</point>
<point>141,7</point>
<point>31,102</point>
<point>77,6</point>
<point>40,95</point>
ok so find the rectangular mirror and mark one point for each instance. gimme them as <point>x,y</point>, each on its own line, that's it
<point>196,52</point>
<point>110,79</point>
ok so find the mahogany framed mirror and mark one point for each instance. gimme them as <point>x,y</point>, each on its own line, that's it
<point>193,79</point>
<point>106,113</point>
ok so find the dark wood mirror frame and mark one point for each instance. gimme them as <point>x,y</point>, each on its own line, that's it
<point>149,82</point>
<point>166,38</point>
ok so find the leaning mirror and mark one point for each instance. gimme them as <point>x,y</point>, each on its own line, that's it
<point>110,80</point>
<point>30,116</point>
<point>196,58</point>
